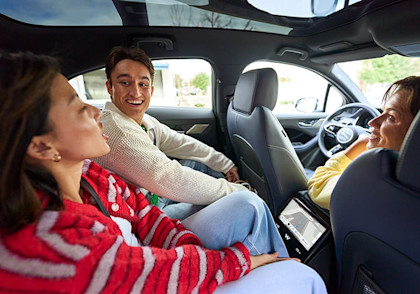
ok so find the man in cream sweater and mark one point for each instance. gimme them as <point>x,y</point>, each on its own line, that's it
<point>141,145</point>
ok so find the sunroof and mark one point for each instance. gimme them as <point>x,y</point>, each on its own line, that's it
<point>134,12</point>
<point>62,12</point>
<point>301,8</point>
<point>252,15</point>
<point>258,15</point>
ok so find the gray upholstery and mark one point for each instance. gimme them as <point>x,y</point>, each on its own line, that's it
<point>264,152</point>
<point>408,164</point>
<point>375,217</point>
<point>256,88</point>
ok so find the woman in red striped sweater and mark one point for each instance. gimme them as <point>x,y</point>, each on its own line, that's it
<point>68,225</point>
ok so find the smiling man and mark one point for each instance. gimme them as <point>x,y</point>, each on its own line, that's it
<point>141,146</point>
<point>130,87</point>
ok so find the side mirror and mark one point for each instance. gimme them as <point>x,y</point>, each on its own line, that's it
<point>307,104</point>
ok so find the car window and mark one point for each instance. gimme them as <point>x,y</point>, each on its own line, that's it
<point>301,90</point>
<point>177,83</point>
<point>374,76</point>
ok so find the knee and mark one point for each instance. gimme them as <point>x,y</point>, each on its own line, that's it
<point>248,200</point>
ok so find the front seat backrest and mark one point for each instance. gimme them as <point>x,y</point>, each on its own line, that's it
<point>375,217</point>
<point>264,152</point>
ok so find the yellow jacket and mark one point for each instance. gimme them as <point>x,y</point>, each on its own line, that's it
<point>322,183</point>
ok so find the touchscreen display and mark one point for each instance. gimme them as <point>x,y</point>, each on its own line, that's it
<point>303,226</point>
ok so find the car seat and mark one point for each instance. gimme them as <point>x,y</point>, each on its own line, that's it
<point>265,155</point>
<point>375,218</point>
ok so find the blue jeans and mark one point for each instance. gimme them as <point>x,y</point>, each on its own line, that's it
<point>239,217</point>
<point>285,277</point>
<point>178,210</point>
<point>201,168</point>
<point>244,217</point>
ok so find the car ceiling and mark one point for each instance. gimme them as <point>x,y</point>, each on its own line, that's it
<point>364,30</point>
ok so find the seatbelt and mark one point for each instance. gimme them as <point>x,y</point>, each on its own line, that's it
<point>228,150</point>
<point>85,184</point>
<point>154,136</point>
<point>153,133</point>
<point>154,199</point>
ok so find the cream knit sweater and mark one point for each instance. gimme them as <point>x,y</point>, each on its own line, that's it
<point>134,157</point>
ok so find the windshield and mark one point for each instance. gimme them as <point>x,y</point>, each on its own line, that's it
<point>374,76</point>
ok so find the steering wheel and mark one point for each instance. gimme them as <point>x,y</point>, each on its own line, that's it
<point>342,128</point>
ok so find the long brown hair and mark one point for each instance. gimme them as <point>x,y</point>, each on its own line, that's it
<point>25,83</point>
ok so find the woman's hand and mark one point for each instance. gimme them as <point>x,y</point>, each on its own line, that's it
<point>357,147</point>
<point>263,259</point>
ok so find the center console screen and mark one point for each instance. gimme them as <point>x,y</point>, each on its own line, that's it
<point>306,229</point>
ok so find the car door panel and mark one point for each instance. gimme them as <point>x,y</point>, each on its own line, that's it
<point>302,130</point>
<point>196,122</point>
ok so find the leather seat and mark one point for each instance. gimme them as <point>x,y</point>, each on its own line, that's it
<point>375,217</point>
<point>265,155</point>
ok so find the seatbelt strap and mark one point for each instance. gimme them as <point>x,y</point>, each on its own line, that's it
<point>85,184</point>
<point>153,133</point>
<point>153,199</point>
<point>154,136</point>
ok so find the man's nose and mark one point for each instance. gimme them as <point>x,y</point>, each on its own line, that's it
<point>135,90</point>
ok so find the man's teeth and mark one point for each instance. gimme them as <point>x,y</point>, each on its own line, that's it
<point>135,102</point>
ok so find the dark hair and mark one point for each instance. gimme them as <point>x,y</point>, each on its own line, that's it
<point>410,85</point>
<point>25,84</point>
<point>120,53</point>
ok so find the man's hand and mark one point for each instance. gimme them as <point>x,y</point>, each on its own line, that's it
<point>232,174</point>
<point>263,259</point>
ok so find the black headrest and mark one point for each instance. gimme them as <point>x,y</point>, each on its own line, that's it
<point>408,165</point>
<point>256,88</point>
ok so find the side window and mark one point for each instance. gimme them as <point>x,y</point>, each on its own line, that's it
<point>177,83</point>
<point>301,90</point>
<point>334,100</point>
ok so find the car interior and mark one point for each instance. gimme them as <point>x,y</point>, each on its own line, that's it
<point>265,155</point>
<point>367,241</point>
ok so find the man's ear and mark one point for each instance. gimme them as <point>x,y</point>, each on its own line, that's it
<point>109,87</point>
<point>153,88</point>
<point>40,149</point>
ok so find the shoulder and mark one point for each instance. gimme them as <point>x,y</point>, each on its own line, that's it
<point>91,170</point>
<point>97,176</point>
<point>114,119</point>
<point>120,128</point>
<point>108,185</point>
<point>150,121</point>
<point>340,159</point>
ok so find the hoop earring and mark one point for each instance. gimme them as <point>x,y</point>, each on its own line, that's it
<point>56,158</point>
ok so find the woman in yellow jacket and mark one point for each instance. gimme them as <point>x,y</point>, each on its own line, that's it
<point>401,104</point>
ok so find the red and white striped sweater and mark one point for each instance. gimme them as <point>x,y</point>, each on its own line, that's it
<point>79,249</point>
